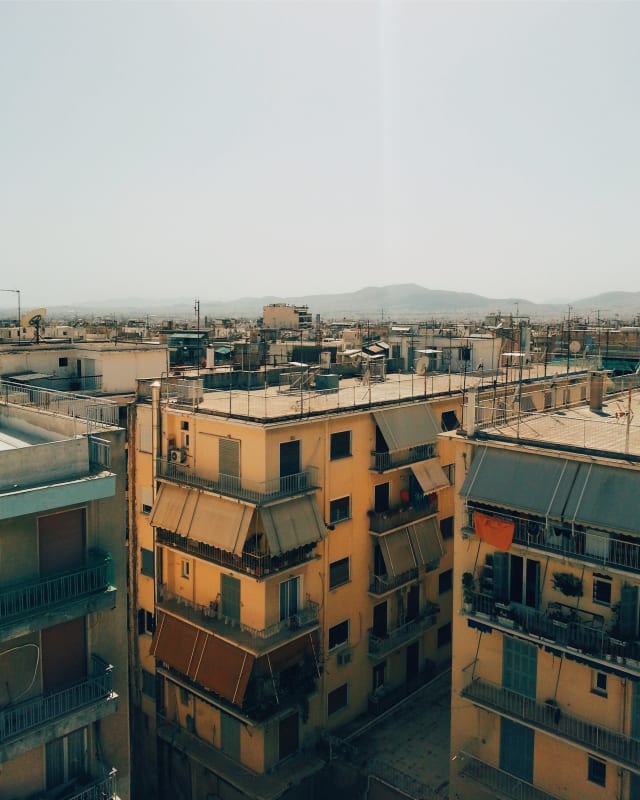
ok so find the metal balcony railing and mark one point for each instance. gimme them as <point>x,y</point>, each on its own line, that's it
<point>381,584</point>
<point>383,461</point>
<point>568,629</point>
<point>211,617</point>
<point>549,716</point>
<point>257,564</point>
<point>500,782</point>
<point>380,644</point>
<point>383,521</point>
<point>257,492</point>
<point>23,718</point>
<point>42,594</point>
<point>100,789</point>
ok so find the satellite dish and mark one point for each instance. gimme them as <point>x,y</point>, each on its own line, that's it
<point>575,346</point>
<point>33,318</point>
<point>422,366</point>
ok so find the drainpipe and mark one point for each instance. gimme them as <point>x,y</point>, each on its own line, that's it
<point>470,421</point>
<point>156,449</point>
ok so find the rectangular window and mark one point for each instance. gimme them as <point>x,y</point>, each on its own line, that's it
<point>446,528</point>
<point>185,568</point>
<point>146,622</point>
<point>340,445</point>
<point>184,426</point>
<point>449,421</point>
<point>445,581</point>
<point>63,361</point>
<point>601,589</point>
<point>146,562</point>
<point>148,683</point>
<point>146,499</point>
<point>599,683</point>
<point>289,598</point>
<point>184,696</point>
<point>597,771</point>
<point>339,573</point>
<point>444,634</point>
<point>340,509</point>
<point>337,699</point>
<point>339,634</point>
<point>450,471</point>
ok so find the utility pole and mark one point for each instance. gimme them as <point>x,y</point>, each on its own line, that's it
<point>17,291</point>
<point>197,310</point>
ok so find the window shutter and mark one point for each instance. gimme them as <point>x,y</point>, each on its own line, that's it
<point>628,615</point>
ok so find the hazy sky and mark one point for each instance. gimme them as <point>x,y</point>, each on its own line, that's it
<point>216,150</point>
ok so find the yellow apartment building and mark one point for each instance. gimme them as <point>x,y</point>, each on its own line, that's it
<point>546,646</point>
<point>64,711</point>
<point>290,572</point>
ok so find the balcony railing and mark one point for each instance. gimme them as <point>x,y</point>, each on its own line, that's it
<point>42,594</point>
<point>569,629</point>
<point>210,616</point>
<point>383,461</point>
<point>549,716</point>
<point>257,492</point>
<point>104,788</point>
<point>23,718</point>
<point>256,564</point>
<point>500,782</point>
<point>381,644</point>
<point>383,521</point>
<point>381,584</point>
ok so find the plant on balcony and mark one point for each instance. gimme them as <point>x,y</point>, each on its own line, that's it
<point>467,591</point>
<point>567,583</point>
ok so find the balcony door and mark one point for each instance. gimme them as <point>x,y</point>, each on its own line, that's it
<point>519,666</point>
<point>230,590</point>
<point>516,749</point>
<point>289,458</point>
<point>61,541</point>
<point>289,598</point>
<point>64,655</point>
<point>380,619</point>
<point>65,758</point>
<point>381,501</point>
<point>288,736</point>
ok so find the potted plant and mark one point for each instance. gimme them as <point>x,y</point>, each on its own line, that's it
<point>569,584</point>
<point>467,591</point>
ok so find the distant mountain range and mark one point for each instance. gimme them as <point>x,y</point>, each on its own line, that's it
<point>395,302</point>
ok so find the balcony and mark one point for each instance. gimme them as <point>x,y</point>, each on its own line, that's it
<point>381,584</point>
<point>570,630</point>
<point>252,639</point>
<point>104,788</point>
<point>256,492</point>
<point>384,521</point>
<point>551,718</point>
<point>33,722</point>
<point>381,701</point>
<point>380,645</point>
<point>385,461</point>
<point>259,565</point>
<point>500,782</point>
<point>42,602</point>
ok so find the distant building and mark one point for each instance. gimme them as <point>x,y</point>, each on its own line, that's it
<point>281,316</point>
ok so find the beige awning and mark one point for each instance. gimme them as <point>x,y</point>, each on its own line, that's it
<point>172,502</point>
<point>397,552</point>
<point>426,541</point>
<point>430,475</point>
<point>292,524</point>
<point>407,426</point>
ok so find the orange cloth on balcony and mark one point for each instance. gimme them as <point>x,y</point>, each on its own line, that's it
<point>497,532</point>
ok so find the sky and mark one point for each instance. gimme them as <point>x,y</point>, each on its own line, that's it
<point>218,150</point>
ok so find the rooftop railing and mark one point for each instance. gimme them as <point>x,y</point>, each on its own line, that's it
<point>380,644</point>
<point>551,717</point>
<point>502,783</point>
<point>258,492</point>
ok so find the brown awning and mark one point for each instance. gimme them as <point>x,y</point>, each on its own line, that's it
<point>202,657</point>
<point>397,552</point>
<point>426,541</point>
<point>292,524</point>
<point>407,426</point>
<point>430,476</point>
<point>291,653</point>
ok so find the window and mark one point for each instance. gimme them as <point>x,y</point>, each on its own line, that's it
<point>338,573</point>
<point>450,471</point>
<point>146,499</point>
<point>444,634</point>
<point>340,509</point>
<point>185,568</point>
<point>599,683</point>
<point>148,683</point>
<point>597,771</point>
<point>146,566</point>
<point>184,425</point>
<point>601,589</point>
<point>449,421</point>
<point>337,699</point>
<point>146,622</point>
<point>185,697</point>
<point>339,634</point>
<point>340,445</point>
<point>446,528</point>
<point>378,675</point>
<point>63,361</point>
<point>289,594</point>
<point>445,581</point>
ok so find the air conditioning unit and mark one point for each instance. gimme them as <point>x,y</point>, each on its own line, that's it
<point>344,657</point>
<point>175,455</point>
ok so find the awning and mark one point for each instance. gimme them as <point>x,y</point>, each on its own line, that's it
<point>605,497</point>
<point>407,426</point>
<point>430,476</point>
<point>292,524</point>
<point>426,541</point>
<point>202,657</point>
<point>532,484</point>
<point>397,552</point>
<point>202,516</point>
<point>295,651</point>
